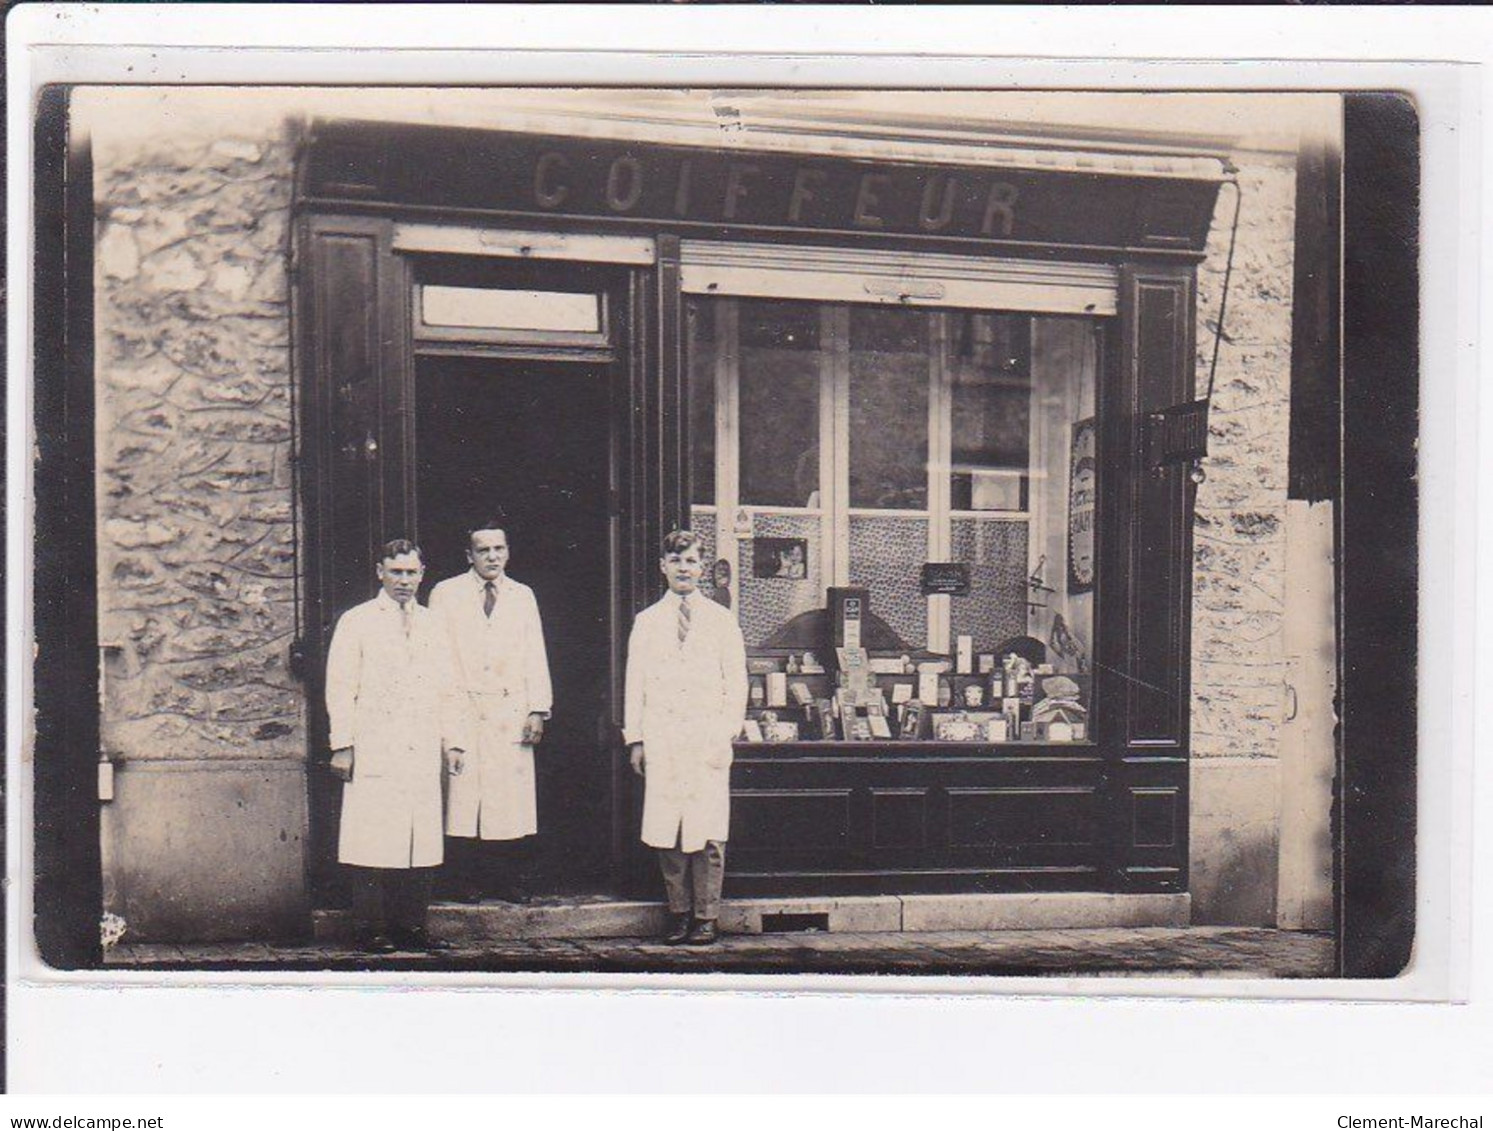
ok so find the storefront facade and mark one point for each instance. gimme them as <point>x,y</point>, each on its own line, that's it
<point>923,384</point>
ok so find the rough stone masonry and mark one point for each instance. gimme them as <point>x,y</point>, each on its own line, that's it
<point>1239,527</point>
<point>196,544</point>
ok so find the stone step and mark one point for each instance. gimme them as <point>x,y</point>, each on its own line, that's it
<point>601,917</point>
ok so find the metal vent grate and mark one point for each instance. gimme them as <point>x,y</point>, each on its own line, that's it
<point>788,922</point>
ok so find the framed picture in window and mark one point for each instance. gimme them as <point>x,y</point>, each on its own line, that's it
<point>783,558</point>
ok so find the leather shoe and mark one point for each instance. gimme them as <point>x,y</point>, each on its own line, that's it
<point>468,893</point>
<point>703,933</point>
<point>421,940</point>
<point>379,944</point>
<point>678,928</point>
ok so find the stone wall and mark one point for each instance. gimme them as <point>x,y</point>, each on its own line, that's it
<point>196,553</point>
<point>1239,574</point>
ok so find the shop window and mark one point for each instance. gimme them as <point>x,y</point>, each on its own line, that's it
<point>852,445</point>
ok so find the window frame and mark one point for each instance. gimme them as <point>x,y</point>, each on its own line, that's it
<point>732,273</point>
<point>440,333</point>
<point>835,512</point>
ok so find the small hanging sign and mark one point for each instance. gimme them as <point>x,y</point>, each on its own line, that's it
<point>1082,471</point>
<point>945,578</point>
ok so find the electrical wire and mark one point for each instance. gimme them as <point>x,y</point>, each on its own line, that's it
<point>1223,301</point>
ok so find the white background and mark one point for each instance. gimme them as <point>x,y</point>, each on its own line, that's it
<point>64,1038</point>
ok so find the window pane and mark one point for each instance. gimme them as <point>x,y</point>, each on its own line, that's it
<point>888,329</point>
<point>991,390</point>
<point>1060,542</point>
<point>483,308</point>
<point>771,325</point>
<point>780,368</point>
<point>887,553</point>
<point>889,407</point>
<point>701,357</point>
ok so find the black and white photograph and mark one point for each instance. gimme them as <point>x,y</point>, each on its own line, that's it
<point>689,548</point>
<point>423,434</point>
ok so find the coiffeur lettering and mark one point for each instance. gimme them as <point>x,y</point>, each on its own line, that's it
<point>928,201</point>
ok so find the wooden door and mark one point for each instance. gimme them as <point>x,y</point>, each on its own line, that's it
<point>355,457</point>
<point>1144,590</point>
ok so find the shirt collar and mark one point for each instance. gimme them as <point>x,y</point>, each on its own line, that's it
<point>481,583</point>
<point>384,601</point>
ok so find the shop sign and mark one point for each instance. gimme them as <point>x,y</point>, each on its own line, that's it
<point>1082,472</point>
<point>670,186</point>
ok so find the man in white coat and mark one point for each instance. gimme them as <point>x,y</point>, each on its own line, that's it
<point>686,700</point>
<point>497,639</point>
<point>394,719</point>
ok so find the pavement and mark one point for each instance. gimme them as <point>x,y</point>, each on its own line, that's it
<point>1192,952</point>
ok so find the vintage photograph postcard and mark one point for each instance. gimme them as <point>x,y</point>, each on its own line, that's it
<point>481,529</point>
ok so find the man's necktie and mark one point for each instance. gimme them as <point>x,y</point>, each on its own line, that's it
<point>407,618</point>
<point>683,619</point>
<point>489,599</point>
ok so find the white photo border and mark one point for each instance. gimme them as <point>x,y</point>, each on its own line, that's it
<point>148,44</point>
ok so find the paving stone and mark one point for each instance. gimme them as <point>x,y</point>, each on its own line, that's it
<point>1141,952</point>
<point>1009,911</point>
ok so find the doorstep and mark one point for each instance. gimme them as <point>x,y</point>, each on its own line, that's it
<point>599,917</point>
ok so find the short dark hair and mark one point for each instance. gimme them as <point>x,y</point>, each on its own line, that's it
<point>396,547</point>
<point>496,521</point>
<point>678,541</point>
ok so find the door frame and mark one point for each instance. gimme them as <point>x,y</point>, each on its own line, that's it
<point>355,439</point>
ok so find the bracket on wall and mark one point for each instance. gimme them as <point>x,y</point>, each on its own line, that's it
<point>297,659</point>
<point>1177,435</point>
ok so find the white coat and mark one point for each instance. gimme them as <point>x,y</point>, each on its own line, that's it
<point>685,703</point>
<point>503,671</point>
<point>391,697</point>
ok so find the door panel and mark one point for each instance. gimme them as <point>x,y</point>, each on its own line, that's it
<point>354,444</point>
<point>1145,590</point>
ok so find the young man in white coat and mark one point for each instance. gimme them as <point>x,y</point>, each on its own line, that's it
<point>394,719</point>
<point>497,640</point>
<point>686,700</point>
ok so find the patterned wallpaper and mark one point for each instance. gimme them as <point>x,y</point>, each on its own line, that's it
<point>995,609</point>
<point>886,555</point>
<point>768,603</point>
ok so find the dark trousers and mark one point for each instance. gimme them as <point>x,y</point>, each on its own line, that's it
<point>693,879</point>
<point>389,901</point>
<point>500,868</point>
